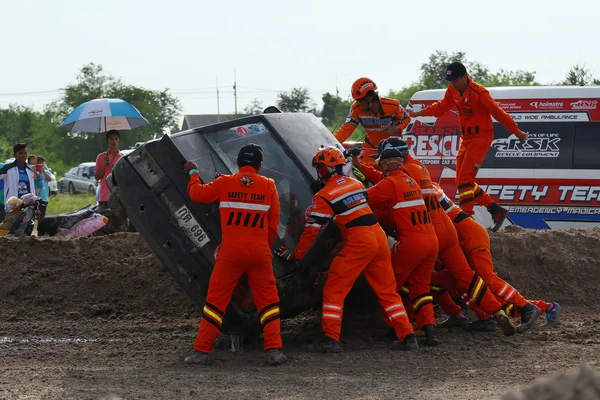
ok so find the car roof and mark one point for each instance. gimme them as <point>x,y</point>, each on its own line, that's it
<point>87,164</point>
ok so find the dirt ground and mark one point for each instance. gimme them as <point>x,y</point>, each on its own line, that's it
<point>99,318</point>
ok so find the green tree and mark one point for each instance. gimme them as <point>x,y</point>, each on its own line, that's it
<point>298,100</point>
<point>580,75</point>
<point>160,108</point>
<point>511,78</point>
<point>254,107</point>
<point>433,71</point>
<point>335,110</point>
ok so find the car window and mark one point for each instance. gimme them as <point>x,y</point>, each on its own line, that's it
<point>80,171</point>
<point>91,171</point>
<point>73,171</point>
<point>291,184</point>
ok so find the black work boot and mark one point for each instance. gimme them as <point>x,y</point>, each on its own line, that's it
<point>529,314</point>
<point>198,357</point>
<point>326,345</point>
<point>431,337</point>
<point>481,325</point>
<point>453,322</point>
<point>275,357</point>
<point>499,214</point>
<point>408,344</point>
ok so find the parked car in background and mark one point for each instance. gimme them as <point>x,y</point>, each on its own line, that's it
<point>53,184</point>
<point>79,179</point>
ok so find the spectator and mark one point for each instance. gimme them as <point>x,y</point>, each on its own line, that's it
<point>18,179</point>
<point>41,183</point>
<point>1,196</point>
<point>105,163</point>
<point>31,163</point>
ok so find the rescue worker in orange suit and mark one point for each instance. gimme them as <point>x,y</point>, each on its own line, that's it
<point>449,248</point>
<point>475,243</point>
<point>475,111</point>
<point>249,208</point>
<point>365,250</point>
<point>380,118</point>
<point>416,248</point>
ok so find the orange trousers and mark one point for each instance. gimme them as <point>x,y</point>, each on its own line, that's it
<point>413,261</point>
<point>453,258</point>
<point>233,260</point>
<point>365,251</point>
<point>444,287</point>
<point>480,259</point>
<point>468,162</point>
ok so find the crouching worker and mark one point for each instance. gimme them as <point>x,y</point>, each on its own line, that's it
<point>365,250</point>
<point>249,207</point>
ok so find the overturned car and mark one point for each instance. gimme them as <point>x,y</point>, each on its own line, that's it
<point>185,235</point>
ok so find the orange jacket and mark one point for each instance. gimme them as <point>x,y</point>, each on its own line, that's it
<point>344,200</point>
<point>392,113</point>
<point>402,195</point>
<point>475,110</point>
<point>415,169</point>
<point>471,234</point>
<point>249,205</point>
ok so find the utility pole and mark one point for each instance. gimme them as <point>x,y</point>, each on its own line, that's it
<point>218,108</point>
<point>337,90</point>
<point>235,91</point>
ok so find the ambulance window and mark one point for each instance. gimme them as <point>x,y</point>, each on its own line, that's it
<point>586,153</point>
<point>294,192</point>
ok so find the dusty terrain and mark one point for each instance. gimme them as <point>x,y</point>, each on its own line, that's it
<point>95,318</point>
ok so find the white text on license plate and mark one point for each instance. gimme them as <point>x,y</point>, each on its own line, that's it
<point>188,223</point>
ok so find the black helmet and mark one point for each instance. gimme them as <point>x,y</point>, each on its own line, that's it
<point>250,154</point>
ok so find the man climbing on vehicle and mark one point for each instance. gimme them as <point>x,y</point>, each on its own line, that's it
<point>365,250</point>
<point>249,208</point>
<point>475,111</point>
<point>380,118</point>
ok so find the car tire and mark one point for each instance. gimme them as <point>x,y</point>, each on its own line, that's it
<point>91,190</point>
<point>71,188</point>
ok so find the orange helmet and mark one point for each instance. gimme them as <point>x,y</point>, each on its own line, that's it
<point>329,156</point>
<point>361,87</point>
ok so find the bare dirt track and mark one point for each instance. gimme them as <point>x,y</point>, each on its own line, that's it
<point>97,318</point>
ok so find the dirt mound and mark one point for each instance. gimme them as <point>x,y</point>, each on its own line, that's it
<point>561,266</point>
<point>119,277</point>
<point>112,277</point>
<point>583,384</point>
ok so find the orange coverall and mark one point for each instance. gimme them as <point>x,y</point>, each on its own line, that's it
<point>416,251</point>
<point>475,111</point>
<point>249,208</point>
<point>449,248</point>
<point>365,250</point>
<point>392,114</point>
<point>475,243</point>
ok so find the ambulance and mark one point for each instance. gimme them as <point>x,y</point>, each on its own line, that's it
<point>551,181</point>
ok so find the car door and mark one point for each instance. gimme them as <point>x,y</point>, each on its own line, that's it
<point>80,185</point>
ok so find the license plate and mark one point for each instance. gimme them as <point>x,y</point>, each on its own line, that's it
<point>188,223</point>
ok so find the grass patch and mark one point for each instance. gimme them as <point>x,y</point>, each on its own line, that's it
<point>63,202</point>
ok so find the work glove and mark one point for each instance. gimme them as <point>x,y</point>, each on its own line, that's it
<point>352,151</point>
<point>284,253</point>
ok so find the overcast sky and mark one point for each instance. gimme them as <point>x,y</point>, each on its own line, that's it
<point>186,45</point>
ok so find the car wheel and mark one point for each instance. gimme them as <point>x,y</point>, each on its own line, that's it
<point>92,190</point>
<point>71,188</point>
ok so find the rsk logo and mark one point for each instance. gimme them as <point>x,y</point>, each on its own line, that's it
<point>532,147</point>
<point>584,105</point>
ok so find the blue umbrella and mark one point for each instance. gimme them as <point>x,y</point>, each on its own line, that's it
<point>102,115</point>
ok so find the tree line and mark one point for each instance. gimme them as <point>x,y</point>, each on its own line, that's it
<point>42,132</point>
